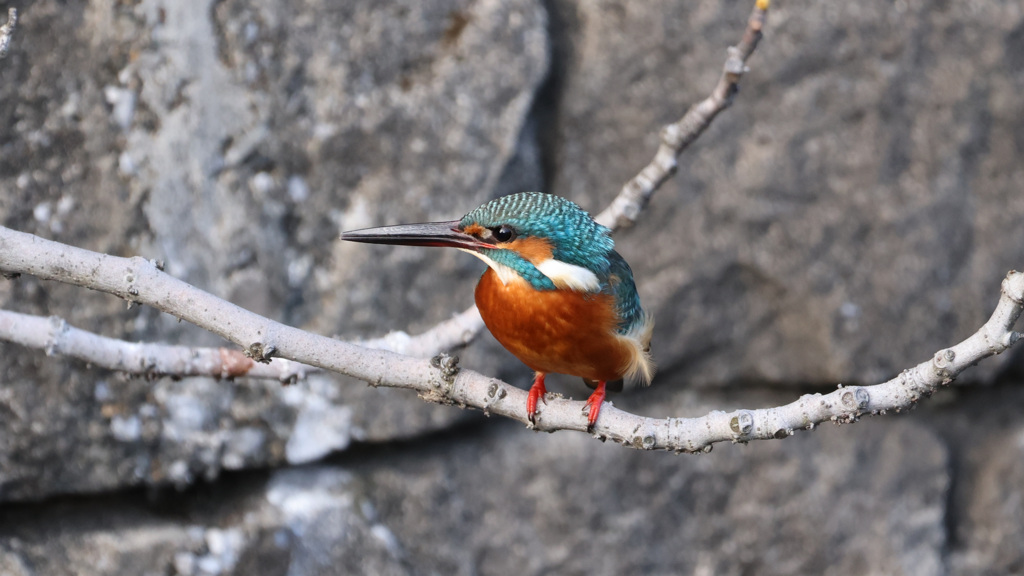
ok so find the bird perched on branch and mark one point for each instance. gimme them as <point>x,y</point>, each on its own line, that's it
<point>555,293</point>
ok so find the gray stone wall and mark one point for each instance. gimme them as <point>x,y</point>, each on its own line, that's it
<point>851,214</point>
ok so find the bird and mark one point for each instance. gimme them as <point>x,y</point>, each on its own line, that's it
<point>555,292</point>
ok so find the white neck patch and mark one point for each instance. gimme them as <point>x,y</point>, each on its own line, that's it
<point>570,276</point>
<point>563,274</point>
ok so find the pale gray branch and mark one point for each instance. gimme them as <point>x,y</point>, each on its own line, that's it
<point>440,379</point>
<point>7,31</point>
<point>627,206</point>
<point>58,338</point>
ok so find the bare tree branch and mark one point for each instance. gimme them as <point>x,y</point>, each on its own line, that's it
<point>440,379</point>
<point>57,338</point>
<point>675,138</point>
<point>7,31</point>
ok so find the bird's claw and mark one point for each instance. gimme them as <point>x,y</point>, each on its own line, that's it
<point>531,406</point>
<point>592,408</point>
<point>537,392</point>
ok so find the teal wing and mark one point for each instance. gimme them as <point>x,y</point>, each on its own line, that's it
<point>619,284</point>
<point>635,324</point>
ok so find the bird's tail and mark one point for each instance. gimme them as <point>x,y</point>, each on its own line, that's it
<point>640,369</point>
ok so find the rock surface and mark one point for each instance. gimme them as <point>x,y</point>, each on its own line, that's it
<point>528,506</point>
<point>232,141</point>
<point>853,212</point>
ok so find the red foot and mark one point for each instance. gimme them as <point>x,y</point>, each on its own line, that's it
<point>594,405</point>
<point>537,392</point>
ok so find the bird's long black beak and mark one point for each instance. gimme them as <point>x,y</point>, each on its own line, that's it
<point>445,234</point>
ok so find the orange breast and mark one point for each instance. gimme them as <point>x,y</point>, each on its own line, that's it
<point>557,331</point>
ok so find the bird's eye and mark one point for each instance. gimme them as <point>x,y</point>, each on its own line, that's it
<point>504,233</point>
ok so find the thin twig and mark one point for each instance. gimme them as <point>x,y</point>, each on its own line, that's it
<point>635,194</point>
<point>440,379</point>
<point>7,30</point>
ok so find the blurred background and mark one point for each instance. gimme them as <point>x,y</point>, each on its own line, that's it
<point>851,214</point>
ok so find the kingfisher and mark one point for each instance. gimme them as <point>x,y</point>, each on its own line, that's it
<point>555,292</point>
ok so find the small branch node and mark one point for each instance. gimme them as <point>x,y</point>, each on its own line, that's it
<point>496,392</point>
<point>132,289</point>
<point>863,398</point>
<point>943,363</point>
<point>848,399</point>
<point>260,352</point>
<point>742,424</point>
<point>643,442</point>
<point>648,442</point>
<point>1013,287</point>
<point>448,364</point>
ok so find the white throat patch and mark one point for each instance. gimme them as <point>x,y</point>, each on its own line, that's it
<point>564,275</point>
<point>505,274</point>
